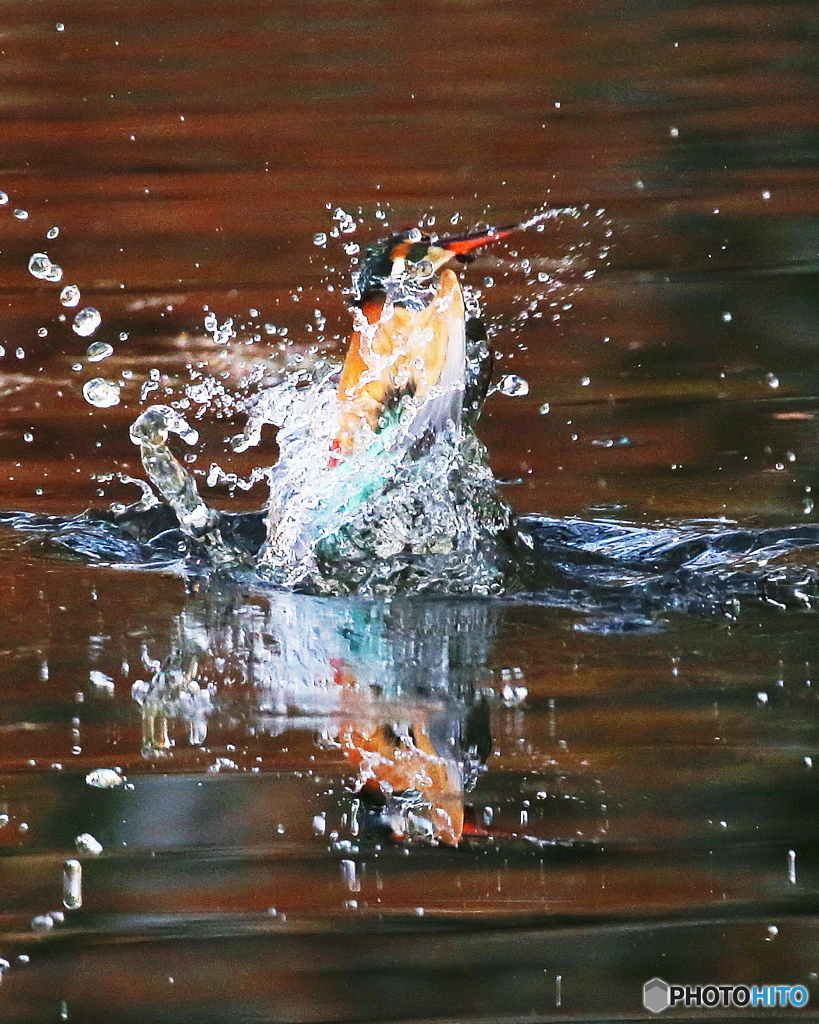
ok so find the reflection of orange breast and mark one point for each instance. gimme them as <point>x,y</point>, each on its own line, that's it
<point>400,763</point>
<point>402,352</point>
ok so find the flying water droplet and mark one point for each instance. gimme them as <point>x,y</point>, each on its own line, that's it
<point>350,875</point>
<point>40,266</point>
<point>86,843</point>
<point>512,386</point>
<point>72,885</point>
<point>104,778</point>
<point>70,295</point>
<point>99,350</point>
<point>101,393</point>
<point>4,198</point>
<point>87,321</point>
<point>52,232</point>
<point>21,214</point>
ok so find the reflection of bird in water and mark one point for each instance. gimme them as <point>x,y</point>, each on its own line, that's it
<point>381,482</point>
<point>395,687</point>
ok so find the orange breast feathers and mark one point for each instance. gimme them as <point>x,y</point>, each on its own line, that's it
<point>399,351</point>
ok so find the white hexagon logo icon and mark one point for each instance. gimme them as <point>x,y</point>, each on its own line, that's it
<point>656,995</point>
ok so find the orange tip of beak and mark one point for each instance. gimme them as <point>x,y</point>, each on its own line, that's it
<point>461,246</point>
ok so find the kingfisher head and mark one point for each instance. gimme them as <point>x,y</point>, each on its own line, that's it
<point>404,267</point>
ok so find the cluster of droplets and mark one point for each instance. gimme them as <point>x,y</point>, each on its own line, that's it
<point>85,322</point>
<point>295,392</point>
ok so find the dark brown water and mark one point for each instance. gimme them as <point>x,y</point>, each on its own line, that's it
<point>663,775</point>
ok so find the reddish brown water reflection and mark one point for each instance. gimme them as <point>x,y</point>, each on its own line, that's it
<point>187,156</point>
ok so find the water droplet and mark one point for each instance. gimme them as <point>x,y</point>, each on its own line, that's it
<point>545,408</point>
<point>60,26</point>
<point>772,379</point>
<point>348,871</point>
<point>52,232</point>
<point>773,931</point>
<point>320,238</point>
<point>42,923</point>
<point>42,332</point>
<point>40,266</point>
<point>104,778</point>
<point>99,350</point>
<point>72,885</point>
<point>766,194</point>
<point>674,132</point>
<point>762,697</point>
<point>727,318</point>
<point>513,386</point>
<point>21,214</point>
<point>4,198</point>
<point>86,843</point>
<point>792,866</point>
<point>585,381</point>
<point>87,321</point>
<point>101,393</point>
<point>70,295</point>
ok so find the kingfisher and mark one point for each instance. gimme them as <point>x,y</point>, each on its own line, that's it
<point>381,481</point>
<point>415,354</point>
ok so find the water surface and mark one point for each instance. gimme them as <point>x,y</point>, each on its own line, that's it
<point>648,801</point>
